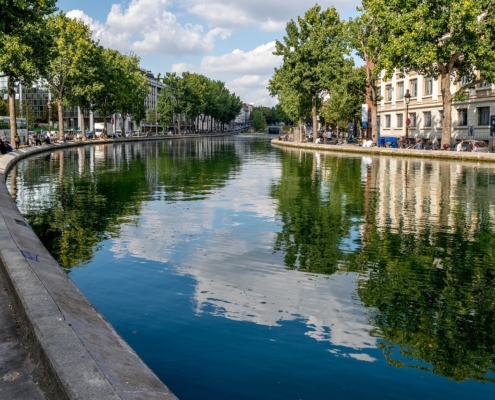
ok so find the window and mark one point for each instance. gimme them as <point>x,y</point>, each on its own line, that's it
<point>412,117</point>
<point>486,84</point>
<point>428,86</point>
<point>387,121</point>
<point>462,117</point>
<point>464,81</point>
<point>483,115</point>
<point>400,90</point>
<point>414,88</point>
<point>400,120</point>
<point>427,119</point>
<point>388,92</point>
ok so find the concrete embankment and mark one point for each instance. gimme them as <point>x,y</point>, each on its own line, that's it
<point>382,151</point>
<point>82,356</point>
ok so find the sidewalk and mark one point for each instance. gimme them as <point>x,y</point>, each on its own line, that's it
<point>18,373</point>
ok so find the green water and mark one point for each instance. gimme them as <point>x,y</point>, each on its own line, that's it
<point>238,270</point>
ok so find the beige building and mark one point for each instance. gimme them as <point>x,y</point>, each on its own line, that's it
<point>470,117</point>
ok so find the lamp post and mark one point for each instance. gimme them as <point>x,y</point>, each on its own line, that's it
<point>49,105</point>
<point>407,99</point>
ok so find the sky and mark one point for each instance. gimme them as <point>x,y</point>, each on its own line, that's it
<point>227,40</point>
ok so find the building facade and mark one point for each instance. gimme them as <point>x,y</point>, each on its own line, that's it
<point>471,113</point>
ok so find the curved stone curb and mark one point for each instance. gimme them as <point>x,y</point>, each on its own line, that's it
<point>382,151</point>
<point>83,356</point>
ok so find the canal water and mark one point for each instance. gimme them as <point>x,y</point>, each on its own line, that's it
<point>241,271</point>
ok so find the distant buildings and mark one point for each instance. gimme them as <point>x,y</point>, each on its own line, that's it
<point>34,100</point>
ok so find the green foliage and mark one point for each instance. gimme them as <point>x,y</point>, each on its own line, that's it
<point>346,97</point>
<point>259,122</point>
<point>312,58</point>
<point>4,108</point>
<point>74,53</point>
<point>194,94</point>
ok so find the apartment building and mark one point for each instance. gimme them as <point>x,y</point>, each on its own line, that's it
<point>471,113</point>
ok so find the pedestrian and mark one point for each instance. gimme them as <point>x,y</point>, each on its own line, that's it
<point>418,145</point>
<point>428,145</point>
<point>475,146</point>
<point>459,146</point>
<point>17,141</point>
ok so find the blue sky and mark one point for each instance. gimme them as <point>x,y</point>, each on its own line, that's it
<point>229,40</point>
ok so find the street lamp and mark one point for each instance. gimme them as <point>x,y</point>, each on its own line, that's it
<point>49,105</point>
<point>407,99</point>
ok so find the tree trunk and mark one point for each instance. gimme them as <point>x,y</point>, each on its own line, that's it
<point>82,127</point>
<point>60,110</point>
<point>104,133</point>
<point>315,116</point>
<point>447,98</point>
<point>178,125</point>
<point>13,122</point>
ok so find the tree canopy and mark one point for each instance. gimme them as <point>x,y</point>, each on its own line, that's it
<point>312,54</point>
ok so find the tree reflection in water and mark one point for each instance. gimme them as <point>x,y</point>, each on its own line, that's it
<point>424,250</point>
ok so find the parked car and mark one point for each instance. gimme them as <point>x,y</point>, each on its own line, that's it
<point>118,133</point>
<point>135,133</point>
<point>90,134</point>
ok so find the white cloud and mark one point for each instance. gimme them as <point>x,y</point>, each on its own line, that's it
<point>147,27</point>
<point>252,89</point>
<point>269,15</point>
<point>250,71</point>
<point>257,61</point>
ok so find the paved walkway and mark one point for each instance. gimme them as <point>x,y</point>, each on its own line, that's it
<point>19,375</point>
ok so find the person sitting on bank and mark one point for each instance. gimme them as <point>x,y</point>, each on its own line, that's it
<point>418,145</point>
<point>62,139</point>
<point>3,149</point>
<point>8,146</point>
<point>47,139</point>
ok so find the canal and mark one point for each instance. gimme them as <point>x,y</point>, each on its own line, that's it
<point>241,271</point>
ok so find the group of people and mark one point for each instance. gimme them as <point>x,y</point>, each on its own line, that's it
<point>6,146</point>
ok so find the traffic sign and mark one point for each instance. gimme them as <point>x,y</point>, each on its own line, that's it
<point>351,126</point>
<point>408,121</point>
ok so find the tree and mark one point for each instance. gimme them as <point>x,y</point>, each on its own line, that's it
<point>259,121</point>
<point>346,96</point>
<point>175,91</point>
<point>85,84</point>
<point>280,114</point>
<point>164,107</point>
<point>367,38</point>
<point>24,44</point>
<point>447,39</point>
<point>313,55</point>
<point>72,55</point>
<point>132,88</point>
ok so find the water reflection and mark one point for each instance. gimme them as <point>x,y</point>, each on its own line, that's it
<point>428,265</point>
<point>365,253</point>
<point>424,252</point>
